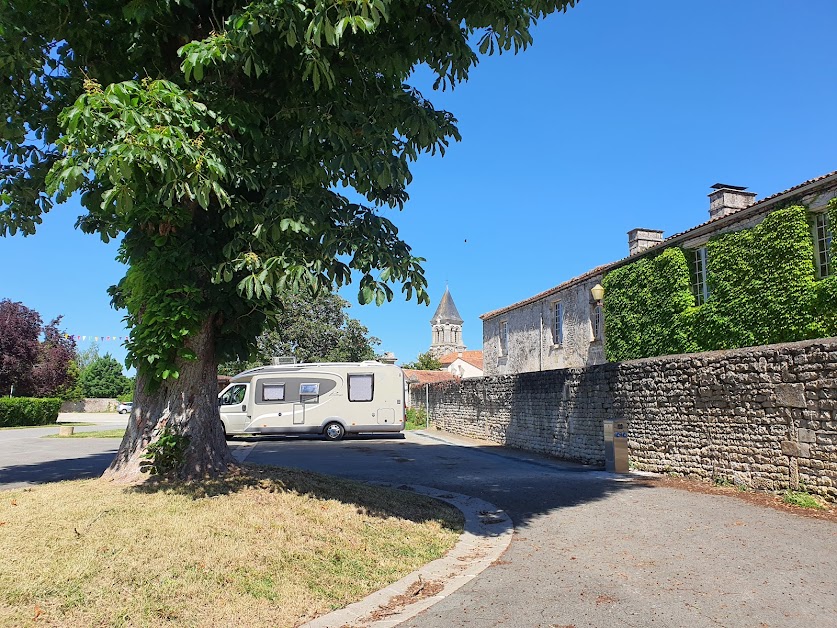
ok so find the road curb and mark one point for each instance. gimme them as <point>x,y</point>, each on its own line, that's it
<point>488,533</point>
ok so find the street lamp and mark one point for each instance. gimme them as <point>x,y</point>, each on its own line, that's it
<point>598,293</point>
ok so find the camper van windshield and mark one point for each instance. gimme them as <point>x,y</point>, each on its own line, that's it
<point>233,396</point>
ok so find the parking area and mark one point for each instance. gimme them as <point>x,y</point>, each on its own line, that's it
<point>590,548</point>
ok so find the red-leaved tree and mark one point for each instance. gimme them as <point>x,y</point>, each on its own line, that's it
<point>30,366</point>
<point>51,374</point>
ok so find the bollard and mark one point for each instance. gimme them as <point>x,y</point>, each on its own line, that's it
<point>65,430</point>
<point>616,445</point>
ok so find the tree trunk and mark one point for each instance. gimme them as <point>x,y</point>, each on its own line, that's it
<point>189,405</point>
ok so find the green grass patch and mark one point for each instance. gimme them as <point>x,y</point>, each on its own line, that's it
<point>263,547</point>
<point>118,433</point>
<point>802,499</point>
<point>29,427</point>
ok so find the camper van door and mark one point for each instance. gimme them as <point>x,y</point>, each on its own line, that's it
<point>233,407</point>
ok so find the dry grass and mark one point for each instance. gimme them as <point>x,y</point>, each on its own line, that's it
<point>267,547</point>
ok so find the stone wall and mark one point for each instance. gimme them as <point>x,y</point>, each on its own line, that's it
<point>90,405</point>
<point>764,417</point>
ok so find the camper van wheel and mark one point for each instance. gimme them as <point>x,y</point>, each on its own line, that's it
<point>224,428</point>
<point>334,431</point>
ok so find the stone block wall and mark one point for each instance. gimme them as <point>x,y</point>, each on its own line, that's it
<point>90,405</point>
<point>764,417</point>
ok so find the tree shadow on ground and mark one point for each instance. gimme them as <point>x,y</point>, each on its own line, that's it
<point>380,502</point>
<point>83,467</point>
<point>524,485</point>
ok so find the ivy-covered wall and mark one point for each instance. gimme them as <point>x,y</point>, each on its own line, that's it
<point>763,290</point>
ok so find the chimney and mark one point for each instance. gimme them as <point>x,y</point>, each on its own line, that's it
<point>641,239</point>
<point>388,358</point>
<point>727,199</point>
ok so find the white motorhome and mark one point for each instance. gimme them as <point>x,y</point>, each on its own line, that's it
<point>329,398</point>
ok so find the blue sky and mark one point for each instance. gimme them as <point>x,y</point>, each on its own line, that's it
<point>621,115</point>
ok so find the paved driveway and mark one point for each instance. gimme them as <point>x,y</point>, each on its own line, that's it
<point>590,549</point>
<point>594,550</point>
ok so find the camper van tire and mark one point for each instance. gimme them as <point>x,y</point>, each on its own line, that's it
<point>334,431</point>
<point>224,428</point>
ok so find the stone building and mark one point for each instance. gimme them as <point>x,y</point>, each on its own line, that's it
<point>563,327</point>
<point>446,328</point>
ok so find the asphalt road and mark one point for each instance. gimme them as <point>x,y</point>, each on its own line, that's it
<point>590,549</point>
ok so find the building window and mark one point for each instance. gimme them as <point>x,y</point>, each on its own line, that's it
<point>558,323</point>
<point>699,284</point>
<point>504,337</point>
<point>597,322</point>
<point>822,245</point>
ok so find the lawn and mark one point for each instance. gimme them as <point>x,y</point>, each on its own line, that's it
<point>26,427</point>
<point>117,433</point>
<point>265,547</point>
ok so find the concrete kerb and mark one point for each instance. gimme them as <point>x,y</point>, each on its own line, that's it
<point>488,533</point>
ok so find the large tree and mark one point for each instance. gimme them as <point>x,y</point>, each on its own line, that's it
<point>215,136</point>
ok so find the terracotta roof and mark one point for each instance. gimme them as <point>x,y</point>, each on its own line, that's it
<point>447,312</point>
<point>474,358</point>
<point>427,377</point>
<point>763,205</point>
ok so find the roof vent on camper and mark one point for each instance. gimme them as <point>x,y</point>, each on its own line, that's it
<point>641,239</point>
<point>727,199</point>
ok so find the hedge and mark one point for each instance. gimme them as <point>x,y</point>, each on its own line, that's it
<point>17,411</point>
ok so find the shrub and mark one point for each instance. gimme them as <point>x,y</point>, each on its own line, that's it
<point>18,411</point>
<point>416,419</point>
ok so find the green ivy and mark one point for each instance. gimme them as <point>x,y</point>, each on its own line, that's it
<point>642,307</point>
<point>166,454</point>
<point>763,290</point>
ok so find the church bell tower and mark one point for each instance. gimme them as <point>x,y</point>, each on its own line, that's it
<point>446,326</point>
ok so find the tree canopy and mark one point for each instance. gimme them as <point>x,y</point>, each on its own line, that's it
<point>216,136</point>
<point>103,378</point>
<point>424,362</point>
<point>310,328</point>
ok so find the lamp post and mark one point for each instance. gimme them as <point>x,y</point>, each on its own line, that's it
<point>597,293</point>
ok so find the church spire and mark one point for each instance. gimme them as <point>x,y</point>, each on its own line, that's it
<point>446,312</point>
<point>446,326</point>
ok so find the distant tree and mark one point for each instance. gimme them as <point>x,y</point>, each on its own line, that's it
<point>104,378</point>
<point>424,362</point>
<point>35,367</point>
<point>310,329</point>
<point>53,374</point>
<point>87,356</point>
<point>19,331</point>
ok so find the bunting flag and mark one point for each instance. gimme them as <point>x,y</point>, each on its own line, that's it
<point>95,338</point>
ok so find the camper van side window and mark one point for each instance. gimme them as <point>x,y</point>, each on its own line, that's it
<point>361,387</point>
<point>273,392</point>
